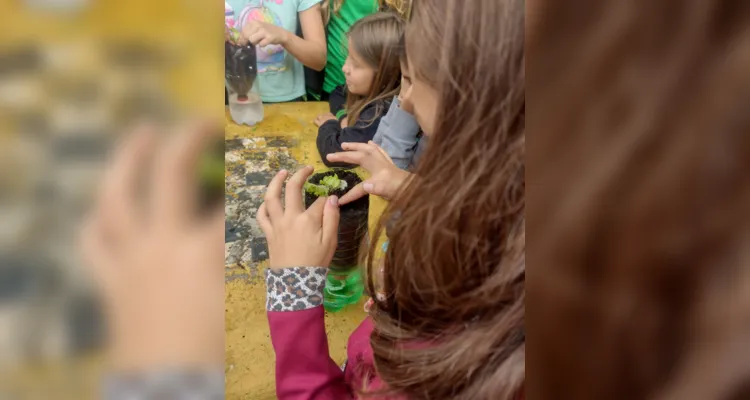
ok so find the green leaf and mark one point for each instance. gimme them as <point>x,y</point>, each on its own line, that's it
<point>331,181</point>
<point>317,190</point>
<point>327,185</point>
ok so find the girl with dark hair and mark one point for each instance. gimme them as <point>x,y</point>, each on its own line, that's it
<point>373,76</point>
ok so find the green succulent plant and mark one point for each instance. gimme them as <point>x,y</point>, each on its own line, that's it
<point>327,185</point>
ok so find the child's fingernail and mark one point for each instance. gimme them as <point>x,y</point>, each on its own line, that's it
<point>368,187</point>
<point>333,200</point>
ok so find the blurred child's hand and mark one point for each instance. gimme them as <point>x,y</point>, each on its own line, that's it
<point>385,177</point>
<point>298,237</point>
<point>263,34</point>
<point>323,118</point>
<point>156,259</point>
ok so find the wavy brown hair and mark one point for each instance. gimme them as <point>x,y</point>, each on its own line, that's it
<point>375,38</point>
<point>451,325</point>
<point>639,212</point>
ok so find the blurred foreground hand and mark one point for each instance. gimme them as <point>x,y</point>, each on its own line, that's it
<point>156,256</point>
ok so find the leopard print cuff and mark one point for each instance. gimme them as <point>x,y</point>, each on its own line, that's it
<point>295,289</point>
<point>186,385</point>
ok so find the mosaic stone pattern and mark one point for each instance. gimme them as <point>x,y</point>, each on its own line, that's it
<point>285,139</point>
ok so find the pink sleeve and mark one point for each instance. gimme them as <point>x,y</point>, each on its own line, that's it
<point>304,368</point>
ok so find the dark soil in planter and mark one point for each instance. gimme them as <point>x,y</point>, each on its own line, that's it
<point>353,221</point>
<point>240,68</point>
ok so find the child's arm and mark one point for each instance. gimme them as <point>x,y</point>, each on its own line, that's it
<point>310,51</point>
<point>331,135</point>
<point>304,368</point>
<point>397,135</point>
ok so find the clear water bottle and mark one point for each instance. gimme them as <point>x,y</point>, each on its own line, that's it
<point>241,70</point>
<point>246,109</point>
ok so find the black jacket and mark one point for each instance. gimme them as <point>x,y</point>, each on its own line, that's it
<point>331,135</point>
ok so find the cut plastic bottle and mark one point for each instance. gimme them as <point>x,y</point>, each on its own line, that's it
<point>241,71</point>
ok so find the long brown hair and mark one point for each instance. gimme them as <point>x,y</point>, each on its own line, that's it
<point>451,325</point>
<point>375,38</point>
<point>639,212</point>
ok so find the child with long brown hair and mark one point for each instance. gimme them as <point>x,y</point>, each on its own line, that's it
<point>339,16</point>
<point>641,207</point>
<point>373,76</point>
<point>451,322</point>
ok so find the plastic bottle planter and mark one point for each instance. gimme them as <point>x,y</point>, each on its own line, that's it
<point>240,68</point>
<point>344,284</point>
<point>354,216</point>
<point>241,71</point>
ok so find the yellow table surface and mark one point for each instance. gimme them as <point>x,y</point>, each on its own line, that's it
<point>285,137</point>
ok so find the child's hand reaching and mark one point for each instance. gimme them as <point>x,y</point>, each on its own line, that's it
<point>385,177</point>
<point>156,258</point>
<point>263,34</point>
<point>323,118</point>
<point>298,237</point>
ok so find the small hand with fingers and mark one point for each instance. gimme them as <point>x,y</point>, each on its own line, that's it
<point>385,177</point>
<point>298,237</point>
<point>323,118</point>
<point>157,259</point>
<point>263,34</point>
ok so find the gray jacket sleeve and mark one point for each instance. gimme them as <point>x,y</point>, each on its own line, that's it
<point>397,135</point>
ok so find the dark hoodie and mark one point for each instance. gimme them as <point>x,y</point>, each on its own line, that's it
<point>331,135</point>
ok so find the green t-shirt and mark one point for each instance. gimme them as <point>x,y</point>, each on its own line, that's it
<point>280,76</point>
<point>338,47</point>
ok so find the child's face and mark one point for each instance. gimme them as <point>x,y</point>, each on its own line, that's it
<point>424,100</point>
<point>405,77</point>
<point>359,75</point>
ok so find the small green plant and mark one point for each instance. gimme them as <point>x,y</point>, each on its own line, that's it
<point>327,185</point>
